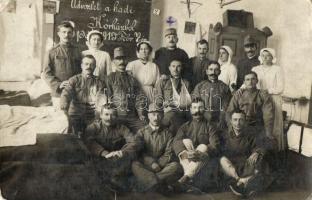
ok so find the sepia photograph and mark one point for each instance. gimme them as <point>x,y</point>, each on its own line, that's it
<point>155,99</point>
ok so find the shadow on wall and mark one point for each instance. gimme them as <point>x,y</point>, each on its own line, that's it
<point>157,23</point>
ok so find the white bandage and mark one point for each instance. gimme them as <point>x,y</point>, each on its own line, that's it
<point>188,144</point>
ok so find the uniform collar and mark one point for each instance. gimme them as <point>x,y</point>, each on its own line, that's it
<point>154,129</point>
<point>67,45</point>
<point>202,119</point>
<point>233,134</point>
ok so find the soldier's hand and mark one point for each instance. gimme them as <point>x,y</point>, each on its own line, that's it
<point>164,76</point>
<point>253,158</point>
<point>104,153</point>
<point>156,167</point>
<point>119,154</point>
<point>143,118</point>
<point>241,90</point>
<point>111,155</point>
<point>64,84</point>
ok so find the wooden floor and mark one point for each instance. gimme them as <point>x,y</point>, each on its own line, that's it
<point>278,195</point>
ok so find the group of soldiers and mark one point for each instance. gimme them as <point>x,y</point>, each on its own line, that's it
<point>179,138</point>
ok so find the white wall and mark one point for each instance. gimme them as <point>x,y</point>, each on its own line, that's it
<point>20,43</point>
<point>290,22</point>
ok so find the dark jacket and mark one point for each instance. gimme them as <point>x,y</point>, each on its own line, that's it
<point>164,56</point>
<point>155,145</point>
<point>198,70</point>
<point>244,66</point>
<point>257,105</point>
<point>99,138</point>
<point>164,90</point>
<point>61,63</point>
<point>82,91</point>
<point>242,146</point>
<point>126,93</point>
<point>200,132</point>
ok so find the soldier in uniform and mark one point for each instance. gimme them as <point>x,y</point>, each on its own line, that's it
<point>256,104</point>
<point>164,55</point>
<point>242,157</point>
<point>61,62</point>
<point>79,97</point>
<point>200,62</point>
<point>197,144</point>
<point>156,166</point>
<point>215,94</point>
<point>126,93</point>
<point>114,145</point>
<point>245,65</point>
<point>173,94</point>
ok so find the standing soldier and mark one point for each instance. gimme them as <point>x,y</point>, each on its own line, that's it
<point>61,62</point>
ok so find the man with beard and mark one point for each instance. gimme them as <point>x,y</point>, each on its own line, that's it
<point>200,62</point>
<point>165,55</point>
<point>256,104</point>
<point>242,157</point>
<point>155,168</point>
<point>215,94</point>
<point>126,94</point>
<point>245,65</point>
<point>173,94</point>
<point>61,62</point>
<point>114,145</point>
<point>197,144</point>
<point>79,96</point>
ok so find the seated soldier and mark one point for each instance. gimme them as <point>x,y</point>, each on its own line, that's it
<point>156,168</point>
<point>173,93</point>
<point>256,104</point>
<point>242,158</point>
<point>80,95</point>
<point>114,143</point>
<point>126,93</point>
<point>196,144</point>
<point>215,94</point>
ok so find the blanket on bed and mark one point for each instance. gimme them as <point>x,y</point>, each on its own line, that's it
<point>20,124</point>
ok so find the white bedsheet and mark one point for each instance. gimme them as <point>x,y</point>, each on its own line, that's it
<point>20,124</point>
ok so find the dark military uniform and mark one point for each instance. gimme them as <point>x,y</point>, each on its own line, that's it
<point>200,132</point>
<point>61,63</point>
<point>239,148</point>
<point>216,97</point>
<point>79,98</point>
<point>244,66</point>
<point>258,107</point>
<point>198,69</point>
<point>156,147</point>
<point>164,96</point>
<point>100,138</point>
<point>125,92</point>
<point>164,56</point>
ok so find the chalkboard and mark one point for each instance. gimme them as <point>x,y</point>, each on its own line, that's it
<point>122,22</point>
